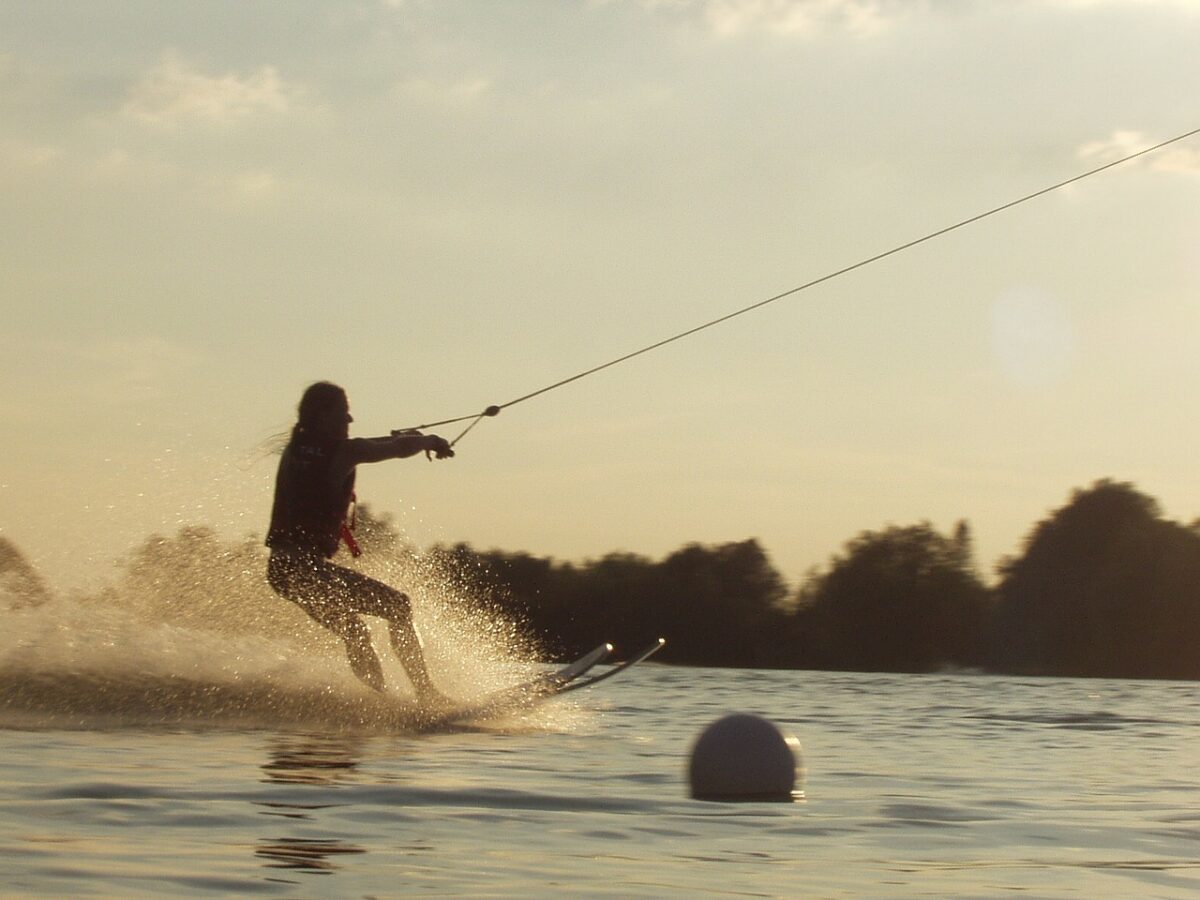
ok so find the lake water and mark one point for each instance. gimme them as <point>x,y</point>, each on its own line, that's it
<point>949,785</point>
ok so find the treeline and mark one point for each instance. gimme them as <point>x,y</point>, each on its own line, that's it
<point>1104,586</point>
<point>20,584</point>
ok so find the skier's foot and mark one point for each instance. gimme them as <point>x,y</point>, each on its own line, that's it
<point>433,700</point>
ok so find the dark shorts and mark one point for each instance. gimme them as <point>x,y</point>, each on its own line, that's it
<point>332,594</point>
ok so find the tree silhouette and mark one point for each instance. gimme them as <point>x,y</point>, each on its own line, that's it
<point>196,580</point>
<point>20,584</point>
<point>1105,586</point>
<point>715,605</point>
<point>905,599</point>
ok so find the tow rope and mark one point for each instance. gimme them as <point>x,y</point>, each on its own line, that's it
<point>495,410</point>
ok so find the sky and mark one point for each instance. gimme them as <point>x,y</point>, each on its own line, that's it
<point>447,205</point>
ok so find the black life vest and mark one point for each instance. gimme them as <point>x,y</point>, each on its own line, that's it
<point>309,511</point>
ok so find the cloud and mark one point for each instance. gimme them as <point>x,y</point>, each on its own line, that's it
<point>174,92</point>
<point>1181,157</point>
<point>119,166</point>
<point>1181,5</point>
<point>858,18</point>
<point>732,18</point>
<point>17,154</point>
<point>247,188</point>
<point>432,93</point>
<point>225,187</point>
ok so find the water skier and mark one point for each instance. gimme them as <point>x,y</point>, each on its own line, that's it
<point>314,489</point>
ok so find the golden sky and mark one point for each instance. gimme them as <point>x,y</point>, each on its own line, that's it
<point>445,205</point>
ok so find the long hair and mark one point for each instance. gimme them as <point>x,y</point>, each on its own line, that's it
<point>317,401</point>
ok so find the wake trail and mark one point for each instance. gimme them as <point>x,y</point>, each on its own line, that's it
<point>85,700</point>
<point>199,647</point>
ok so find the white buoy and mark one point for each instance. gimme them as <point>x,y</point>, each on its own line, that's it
<point>745,757</point>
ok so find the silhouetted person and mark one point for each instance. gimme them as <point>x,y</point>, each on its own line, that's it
<point>313,492</point>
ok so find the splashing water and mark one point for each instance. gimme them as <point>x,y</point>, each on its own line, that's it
<point>190,634</point>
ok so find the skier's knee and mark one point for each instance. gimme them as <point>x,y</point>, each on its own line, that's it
<point>400,609</point>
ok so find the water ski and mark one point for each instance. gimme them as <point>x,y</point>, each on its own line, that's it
<point>521,695</point>
<point>577,683</point>
<point>536,690</point>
